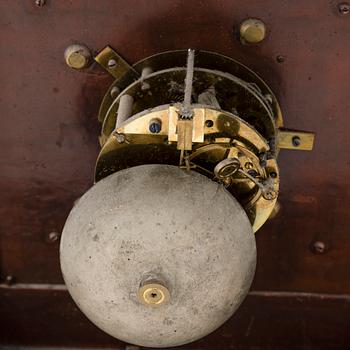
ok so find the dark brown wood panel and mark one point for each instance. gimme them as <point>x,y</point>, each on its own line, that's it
<point>49,318</point>
<point>49,140</point>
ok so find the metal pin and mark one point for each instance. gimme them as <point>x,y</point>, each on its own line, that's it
<point>186,111</point>
<point>125,109</point>
<point>144,74</point>
<point>115,91</point>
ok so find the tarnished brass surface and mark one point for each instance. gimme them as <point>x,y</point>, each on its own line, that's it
<point>167,87</point>
<point>114,64</point>
<point>222,123</point>
<point>184,134</point>
<point>153,294</point>
<point>243,123</point>
<point>226,136</point>
<point>198,124</point>
<point>264,112</point>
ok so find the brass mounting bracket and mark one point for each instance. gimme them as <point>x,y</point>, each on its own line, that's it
<point>114,64</point>
<point>295,140</point>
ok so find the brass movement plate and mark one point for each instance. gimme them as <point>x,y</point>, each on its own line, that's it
<point>247,126</point>
<point>225,136</point>
<point>206,60</point>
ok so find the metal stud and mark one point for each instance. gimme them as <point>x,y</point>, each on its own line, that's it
<point>77,56</point>
<point>252,31</point>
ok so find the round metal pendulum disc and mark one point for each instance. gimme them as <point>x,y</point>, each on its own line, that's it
<point>158,256</point>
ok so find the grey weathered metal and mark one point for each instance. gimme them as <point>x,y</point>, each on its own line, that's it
<point>164,224</point>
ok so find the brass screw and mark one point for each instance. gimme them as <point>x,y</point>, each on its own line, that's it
<point>153,294</point>
<point>77,56</point>
<point>252,31</point>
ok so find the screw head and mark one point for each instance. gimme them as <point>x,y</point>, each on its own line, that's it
<point>209,123</point>
<point>155,126</point>
<point>252,31</point>
<point>318,247</point>
<point>52,237</point>
<point>120,137</point>
<point>280,58</point>
<point>77,56</point>
<point>296,141</point>
<point>344,8</point>
<point>10,280</point>
<point>112,63</point>
<point>40,3</point>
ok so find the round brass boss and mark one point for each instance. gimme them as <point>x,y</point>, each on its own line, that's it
<point>77,56</point>
<point>252,31</point>
<point>153,294</point>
